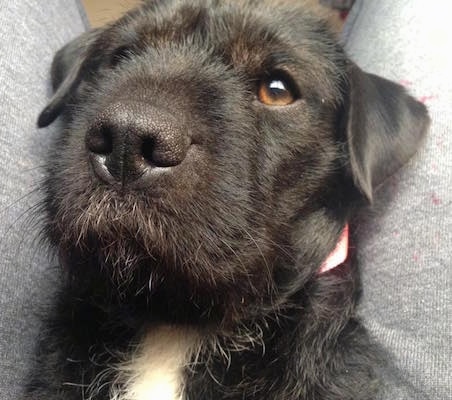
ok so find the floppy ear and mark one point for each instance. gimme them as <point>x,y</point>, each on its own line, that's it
<point>384,128</point>
<point>69,66</point>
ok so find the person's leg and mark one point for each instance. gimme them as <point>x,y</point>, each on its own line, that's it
<point>405,249</point>
<point>30,33</point>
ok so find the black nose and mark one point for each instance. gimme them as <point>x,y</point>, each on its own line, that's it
<point>129,140</point>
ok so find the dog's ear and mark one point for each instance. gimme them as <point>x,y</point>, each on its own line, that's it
<point>384,126</point>
<point>69,65</point>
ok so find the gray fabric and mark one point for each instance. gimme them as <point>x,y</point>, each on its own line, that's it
<point>30,33</point>
<point>406,245</point>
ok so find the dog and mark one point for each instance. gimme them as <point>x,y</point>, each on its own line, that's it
<point>201,196</point>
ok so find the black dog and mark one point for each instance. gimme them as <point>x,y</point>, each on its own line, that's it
<point>213,156</point>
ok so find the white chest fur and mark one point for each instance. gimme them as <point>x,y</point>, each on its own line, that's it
<point>155,370</point>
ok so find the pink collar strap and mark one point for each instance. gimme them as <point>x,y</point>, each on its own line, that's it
<point>338,255</point>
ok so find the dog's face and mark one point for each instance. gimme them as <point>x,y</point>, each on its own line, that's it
<point>214,148</point>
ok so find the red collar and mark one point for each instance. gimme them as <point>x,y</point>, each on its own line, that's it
<point>338,255</point>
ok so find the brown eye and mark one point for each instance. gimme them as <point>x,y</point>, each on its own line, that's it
<point>276,91</point>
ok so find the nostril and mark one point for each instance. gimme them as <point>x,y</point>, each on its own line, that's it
<point>162,153</point>
<point>147,150</point>
<point>100,141</point>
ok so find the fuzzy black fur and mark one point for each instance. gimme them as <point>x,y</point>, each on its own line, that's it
<point>230,240</point>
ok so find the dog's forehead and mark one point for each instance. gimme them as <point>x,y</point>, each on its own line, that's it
<point>242,27</point>
<point>255,36</point>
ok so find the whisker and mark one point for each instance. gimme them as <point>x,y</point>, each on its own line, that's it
<point>19,199</point>
<point>13,224</point>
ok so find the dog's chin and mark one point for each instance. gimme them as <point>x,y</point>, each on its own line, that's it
<point>140,247</point>
<point>120,234</point>
<point>168,290</point>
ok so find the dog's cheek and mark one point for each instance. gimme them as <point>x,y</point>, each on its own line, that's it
<point>296,157</point>
<point>67,184</point>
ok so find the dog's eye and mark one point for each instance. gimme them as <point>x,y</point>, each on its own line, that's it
<point>276,91</point>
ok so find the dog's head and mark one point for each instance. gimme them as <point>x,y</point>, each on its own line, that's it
<point>216,148</point>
